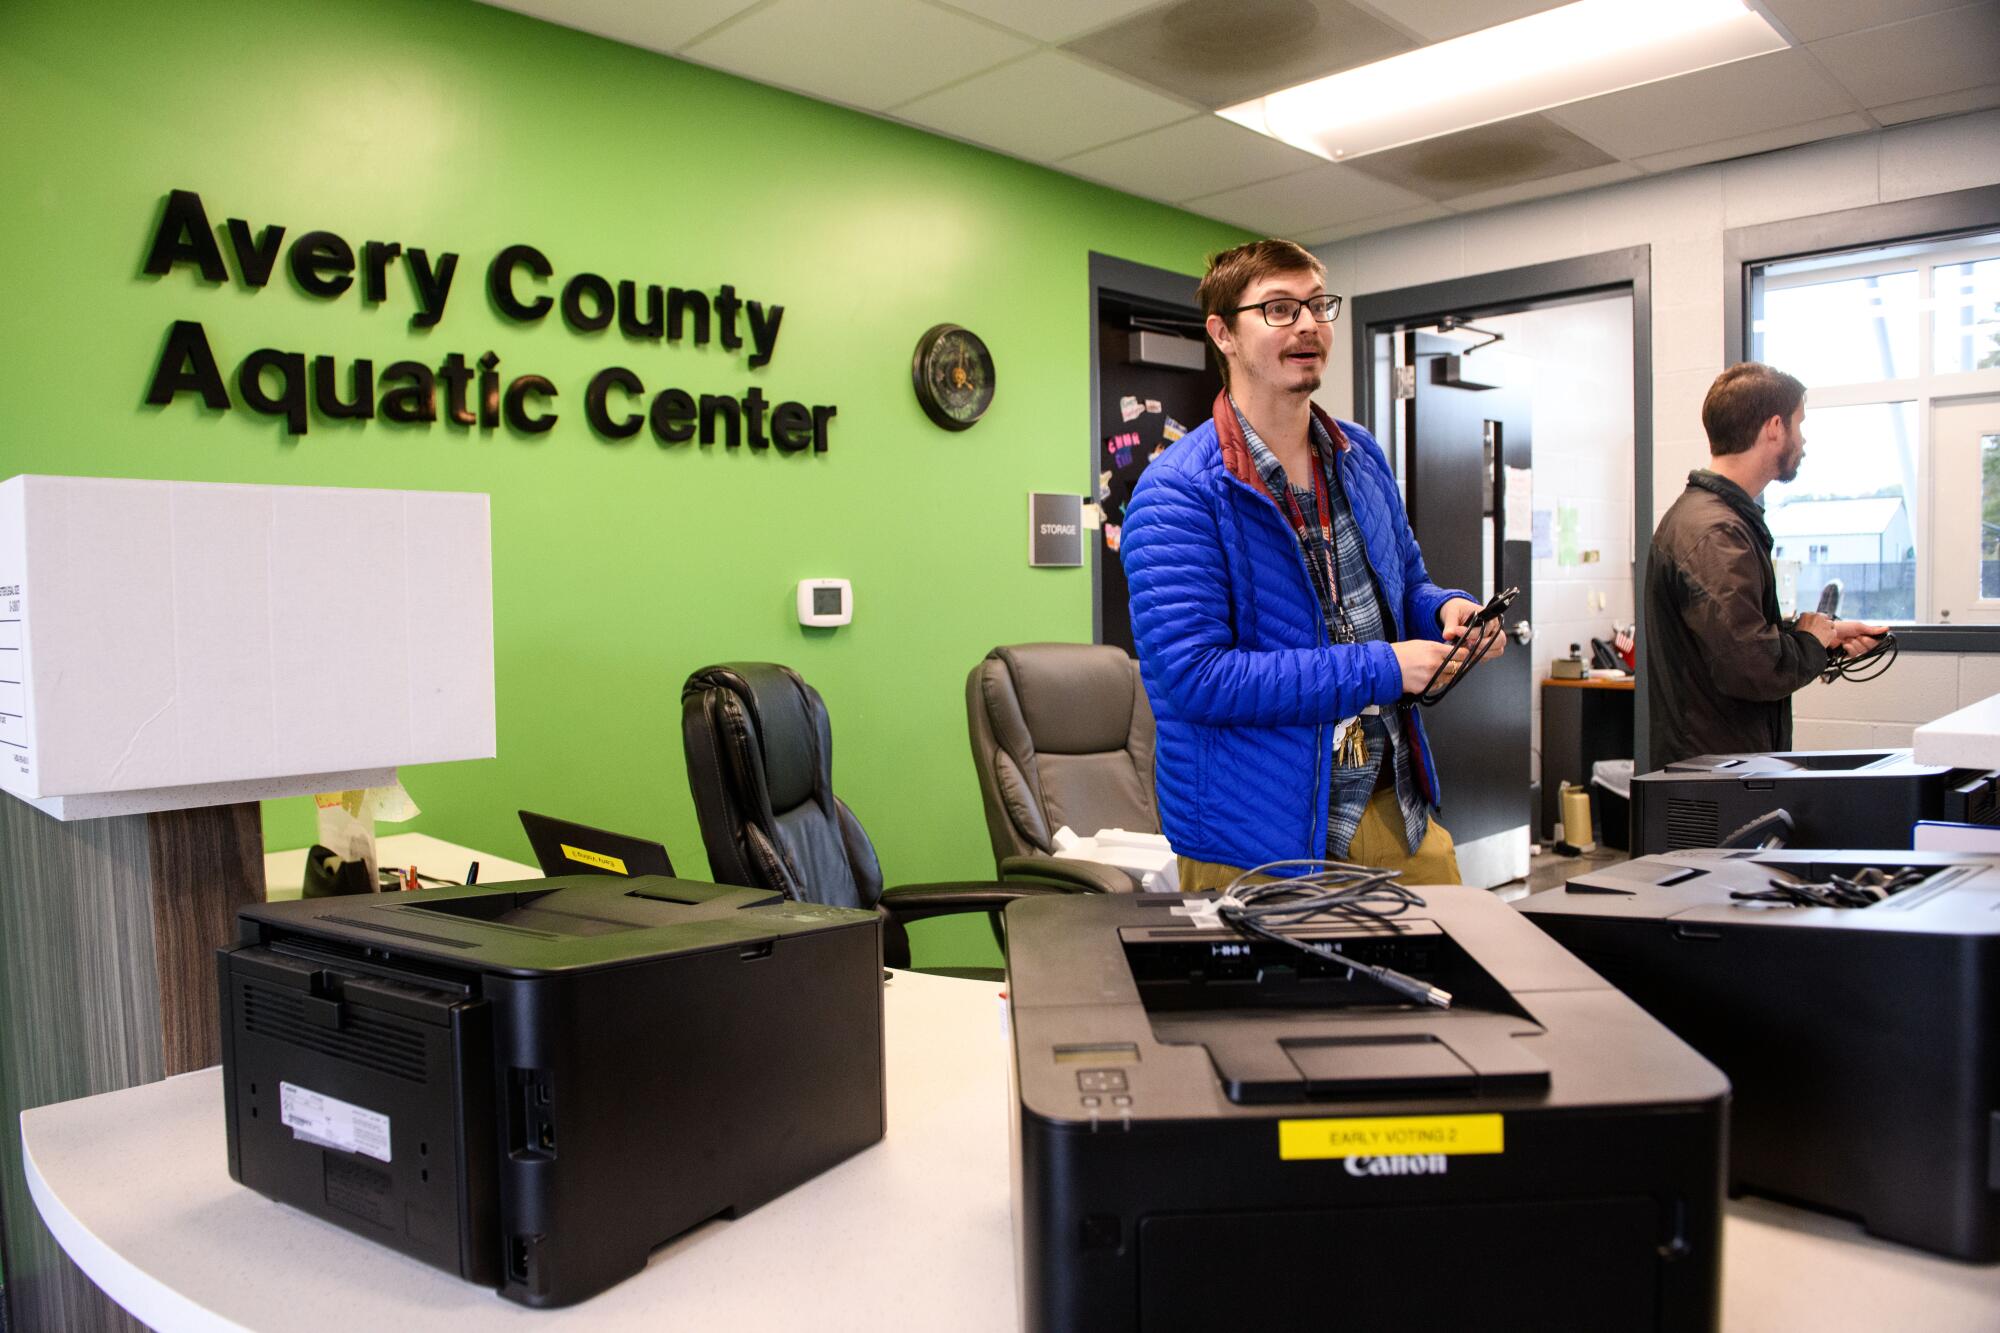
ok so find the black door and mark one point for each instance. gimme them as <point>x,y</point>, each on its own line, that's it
<point>1142,409</point>
<point>1461,443</point>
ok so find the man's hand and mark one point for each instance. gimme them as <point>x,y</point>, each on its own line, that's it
<point>1419,659</point>
<point>1855,638</point>
<point>1453,617</point>
<point>1820,627</point>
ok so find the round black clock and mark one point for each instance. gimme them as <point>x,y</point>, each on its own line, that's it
<point>953,374</point>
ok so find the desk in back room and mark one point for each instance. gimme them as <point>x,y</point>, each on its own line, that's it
<point>1583,721</point>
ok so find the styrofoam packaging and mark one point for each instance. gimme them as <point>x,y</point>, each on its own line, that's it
<point>159,636</point>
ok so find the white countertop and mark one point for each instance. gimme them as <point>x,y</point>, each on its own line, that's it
<point>285,871</point>
<point>913,1233</point>
<point>1968,738</point>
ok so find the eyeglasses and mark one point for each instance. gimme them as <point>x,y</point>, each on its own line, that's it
<point>1283,311</point>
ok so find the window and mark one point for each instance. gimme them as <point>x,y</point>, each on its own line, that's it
<point>1886,339</point>
<point>1989,517</point>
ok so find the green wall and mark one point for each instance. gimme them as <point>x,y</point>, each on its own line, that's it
<point>618,567</point>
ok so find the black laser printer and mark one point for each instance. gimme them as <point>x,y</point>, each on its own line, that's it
<point>531,1086</point>
<point>1836,798</point>
<point>1863,1042</point>
<point>1218,1132</point>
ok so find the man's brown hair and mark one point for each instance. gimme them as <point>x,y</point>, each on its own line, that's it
<point>1233,272</point>
<point>1741,400</point>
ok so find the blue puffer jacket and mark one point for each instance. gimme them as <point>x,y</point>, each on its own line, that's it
<point>1233,648</point>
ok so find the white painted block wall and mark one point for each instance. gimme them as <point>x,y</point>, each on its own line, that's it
<point>1920,687</point>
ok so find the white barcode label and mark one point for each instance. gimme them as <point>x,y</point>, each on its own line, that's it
<point>332,1123</point>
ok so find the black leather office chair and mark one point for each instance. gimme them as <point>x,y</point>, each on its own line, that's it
<point>760,762</point>
<point>1061,734</point>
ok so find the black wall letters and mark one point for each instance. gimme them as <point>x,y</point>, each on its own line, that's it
<point>294,387</point>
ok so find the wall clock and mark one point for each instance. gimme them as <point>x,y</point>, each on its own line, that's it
<point>953,375</point>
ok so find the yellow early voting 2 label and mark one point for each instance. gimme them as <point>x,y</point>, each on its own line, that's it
<point>1390,1136</point>
<point>598,859</point>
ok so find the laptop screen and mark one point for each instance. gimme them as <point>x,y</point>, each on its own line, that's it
<point>566,848</point>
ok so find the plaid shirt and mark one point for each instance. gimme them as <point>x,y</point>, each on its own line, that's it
<point>1352,787</point>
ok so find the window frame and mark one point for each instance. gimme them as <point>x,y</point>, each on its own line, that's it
<point>1928,219</point>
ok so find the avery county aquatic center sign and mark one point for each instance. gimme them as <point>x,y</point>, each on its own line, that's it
<point>294,386</point>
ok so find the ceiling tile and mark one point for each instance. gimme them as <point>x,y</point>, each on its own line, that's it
<point>1436,20</point>
<point>1195,157</point>
<point>1587,179</point>
<point>1939,53</point>
<point>866,53</point>
<point>1810,20</point>
<point>1052,20</point>
<point>1486,157</point>
<point>1309,202</point>
<point>1219,52</point>
<point>1944,104</point>
<point>657,25</point>
<point>1042,108</point>
<point>1761,93</point>
<point>1762,142</point>
<point>1381,222</point>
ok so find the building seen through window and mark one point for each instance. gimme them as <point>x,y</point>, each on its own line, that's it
<point>1880,337</point>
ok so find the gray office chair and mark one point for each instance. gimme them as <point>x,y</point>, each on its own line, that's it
<point>1061,735</point>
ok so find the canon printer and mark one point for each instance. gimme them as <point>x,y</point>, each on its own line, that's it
<point>1863,1042</point>
<point>1836,798</point>
<point>531,1086</point>
<point>1214,1131</point>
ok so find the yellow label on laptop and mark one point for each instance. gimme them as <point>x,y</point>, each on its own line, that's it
<point>598,859</point>
<point>1390,1136</point>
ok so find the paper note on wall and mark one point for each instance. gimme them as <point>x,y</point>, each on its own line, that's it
<point>1566,535</point>
<point>1520,505</point>
<point>1545,534</point>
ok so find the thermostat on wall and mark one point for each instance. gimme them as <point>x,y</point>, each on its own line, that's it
<point>825,601</point>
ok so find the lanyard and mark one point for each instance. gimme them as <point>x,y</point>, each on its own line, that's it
<point>1343,631</point>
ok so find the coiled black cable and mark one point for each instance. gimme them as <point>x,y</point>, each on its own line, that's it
<point>1338,891</point>
<point>1864,888</point>
<point>1839,666</point>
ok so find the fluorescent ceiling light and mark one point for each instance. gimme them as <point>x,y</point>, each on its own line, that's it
<point>1545,60</point>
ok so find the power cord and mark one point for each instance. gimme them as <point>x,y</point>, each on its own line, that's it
<point>1338,891</point>
<point>1481,631</point>
<point>1773,828</point>
<point>1839,666</point>
<point>1864,888</point>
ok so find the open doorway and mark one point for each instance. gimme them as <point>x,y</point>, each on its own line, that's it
<point>1152,381</point>
<point>1572,363</point>
<point>1515,409</point>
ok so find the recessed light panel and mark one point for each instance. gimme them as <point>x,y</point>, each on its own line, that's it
<point>1545,60</point>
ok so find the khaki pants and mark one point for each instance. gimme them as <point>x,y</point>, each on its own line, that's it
<point>1378,841</point>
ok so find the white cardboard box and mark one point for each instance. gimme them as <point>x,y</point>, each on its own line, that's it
<point>168,644</point>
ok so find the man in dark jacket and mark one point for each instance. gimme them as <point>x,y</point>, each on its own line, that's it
<point>1721,665</point>
<point>1281,607</point>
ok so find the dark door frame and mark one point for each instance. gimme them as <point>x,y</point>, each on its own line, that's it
<point>1538,286</point>
<point>1140,282</point>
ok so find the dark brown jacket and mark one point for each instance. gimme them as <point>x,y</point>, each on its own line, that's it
<point>1720,667</point>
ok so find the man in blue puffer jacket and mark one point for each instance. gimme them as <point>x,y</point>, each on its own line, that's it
<point>1282,610</point>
